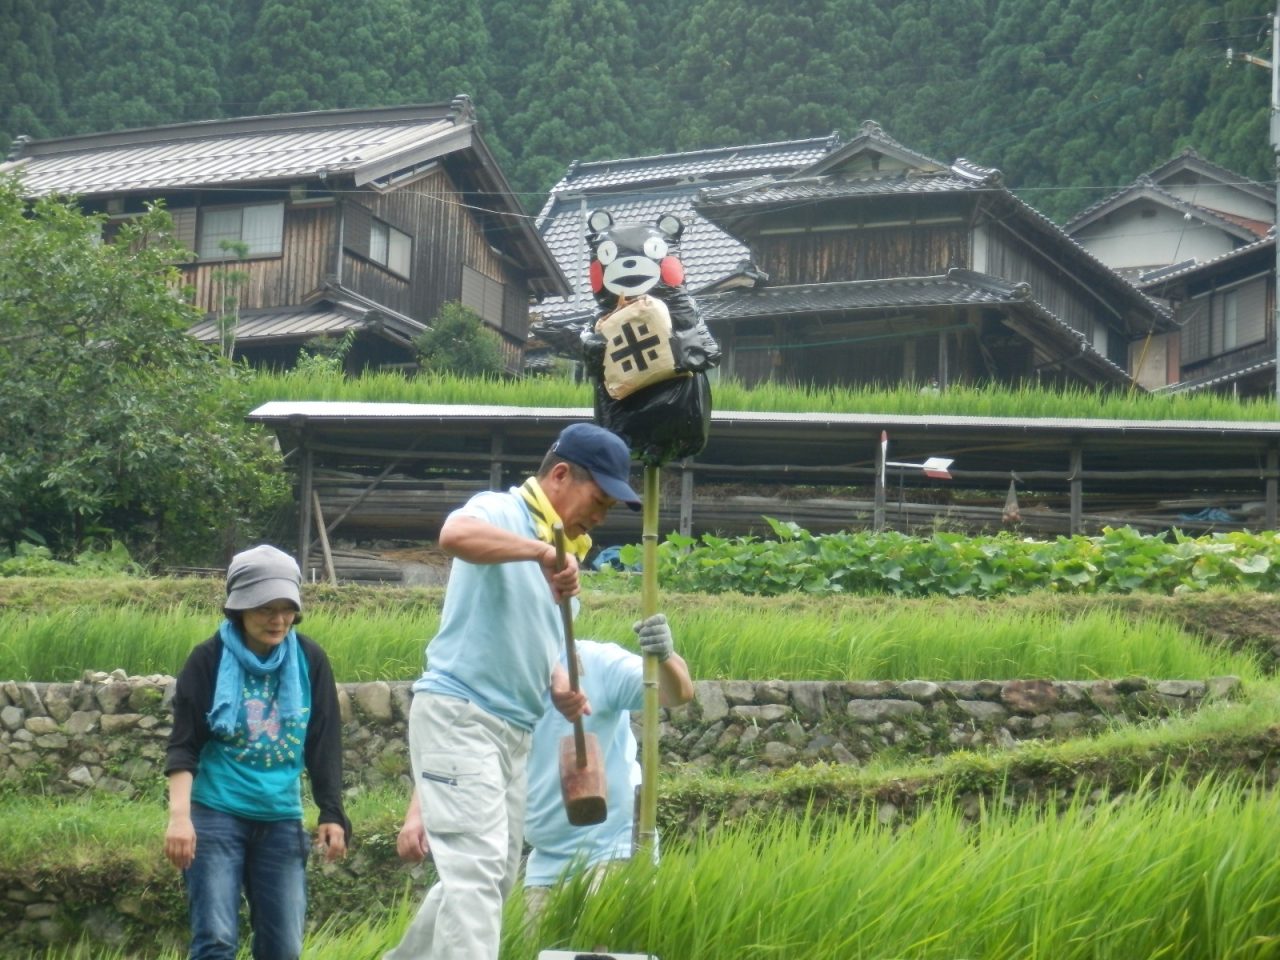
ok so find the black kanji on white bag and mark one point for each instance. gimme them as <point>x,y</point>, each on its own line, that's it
<point>638,351</point>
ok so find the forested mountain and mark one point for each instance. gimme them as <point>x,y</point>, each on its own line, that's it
<point>1070,98</point>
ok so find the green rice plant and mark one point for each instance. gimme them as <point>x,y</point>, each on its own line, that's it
<point>1187,872</point>
<point>937,641</point>
<point>59,645</point>
<point>985,401</point>
<point>726,639</point>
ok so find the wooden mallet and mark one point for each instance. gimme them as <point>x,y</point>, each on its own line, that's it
<point>582,780</point>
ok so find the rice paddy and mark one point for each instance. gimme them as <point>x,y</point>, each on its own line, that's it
<point>1171,855</point>
<point>959,400</point>
<point>721,638</point>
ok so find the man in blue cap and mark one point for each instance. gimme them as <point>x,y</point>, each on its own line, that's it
<point>489,665</point>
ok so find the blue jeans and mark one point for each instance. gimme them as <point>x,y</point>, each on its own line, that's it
<point>268,859</point>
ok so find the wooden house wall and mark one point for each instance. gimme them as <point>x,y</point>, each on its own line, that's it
<point>1203,325</point>
<point>1010,258</point>
<point>446,237</point>
<point>306,257</point>
<point>861,254</point>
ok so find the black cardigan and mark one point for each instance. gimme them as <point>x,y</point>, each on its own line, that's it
<point>322,752</point>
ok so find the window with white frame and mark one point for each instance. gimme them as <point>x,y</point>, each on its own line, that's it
<point>390,247</point>
<point>1230,327</point>
<point>260,226</point>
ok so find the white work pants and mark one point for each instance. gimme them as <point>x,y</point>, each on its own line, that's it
<point>469,767</point>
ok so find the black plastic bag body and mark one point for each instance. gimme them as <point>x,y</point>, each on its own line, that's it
<point>661,423</point>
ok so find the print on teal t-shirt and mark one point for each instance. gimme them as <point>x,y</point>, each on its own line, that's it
<point>255,773</point>
<point>500,628</point>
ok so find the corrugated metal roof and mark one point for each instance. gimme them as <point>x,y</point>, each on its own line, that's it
<point>292,324</point>
<point>191,155</point>
<point>282,411</point>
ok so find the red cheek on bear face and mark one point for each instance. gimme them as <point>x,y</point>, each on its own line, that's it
<point>597,275</point>
<point>672,272</point>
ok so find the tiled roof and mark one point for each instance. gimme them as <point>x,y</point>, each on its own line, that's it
<point>1158,279</point>
<point>1144,186</point>
<point>795,189</point>
<point>694,165</point>
<point>707,251</point>
<point>1219,379</point>
<point>642,188</point>
<point>957,288</point>
<point>213,152</point>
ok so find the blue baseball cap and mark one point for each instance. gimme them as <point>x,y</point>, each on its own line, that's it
<point>604,455</point>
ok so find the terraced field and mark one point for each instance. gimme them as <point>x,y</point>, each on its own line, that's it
<point>1139,839</point>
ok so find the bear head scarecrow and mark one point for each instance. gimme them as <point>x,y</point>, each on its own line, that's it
<point>647,350</point>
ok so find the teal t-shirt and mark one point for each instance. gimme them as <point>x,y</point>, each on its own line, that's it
<point>500,629</point>
<point>255,773</point>
<point>613,679</point>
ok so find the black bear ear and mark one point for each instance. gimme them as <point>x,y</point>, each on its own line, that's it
<point>599,220</point>
<point>670,225</point>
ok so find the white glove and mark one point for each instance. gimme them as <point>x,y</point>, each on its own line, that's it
<point>655,636</point>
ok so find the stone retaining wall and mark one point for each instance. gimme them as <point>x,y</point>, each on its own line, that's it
<point>108,732</point>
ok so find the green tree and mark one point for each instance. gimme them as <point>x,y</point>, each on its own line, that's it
<point>577,92</point>
<point>115,422</point>
<point>30,91</point>
<point>458,341</point>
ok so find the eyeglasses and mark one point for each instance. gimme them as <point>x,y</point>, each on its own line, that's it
<point>273,613</point>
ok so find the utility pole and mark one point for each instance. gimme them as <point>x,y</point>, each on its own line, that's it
<point>1274,67</point>
<point>1275,149</point>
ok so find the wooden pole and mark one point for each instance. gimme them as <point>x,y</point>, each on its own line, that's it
<point>324,537</point>
<point>646,837</point>
<point>877,516</point>
<point>1077,487</point>
<point>304,512</point>
<point>1273,461</point>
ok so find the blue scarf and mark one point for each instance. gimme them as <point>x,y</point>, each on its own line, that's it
<point>236,659</point>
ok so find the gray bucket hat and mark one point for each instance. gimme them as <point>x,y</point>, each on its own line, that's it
<point>260,575</point>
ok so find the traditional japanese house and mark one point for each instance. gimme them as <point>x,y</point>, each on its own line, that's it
<point>1225,308</point>
<point>365,220</point>
<point>876,263</point>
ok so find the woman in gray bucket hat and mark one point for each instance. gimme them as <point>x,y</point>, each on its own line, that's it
<point>255,704</point>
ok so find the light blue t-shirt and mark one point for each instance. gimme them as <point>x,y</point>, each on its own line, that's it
<point>613,680</point>
<point>500,629</point>
<point>255,773</point>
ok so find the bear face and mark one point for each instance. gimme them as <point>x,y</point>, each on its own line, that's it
<point>631,259</point>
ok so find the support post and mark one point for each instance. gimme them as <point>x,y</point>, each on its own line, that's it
<point>944,372</point>
<point>1275,149</point>
<point>877,516</point>
<point>324,538</point>
<point>304,510</point>
<point>495,462</point>
<point>1273,484</point>
<point>647,835</point>
<point>686,499</point>
<point>1077,487</point>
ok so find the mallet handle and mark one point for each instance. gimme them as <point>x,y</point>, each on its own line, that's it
<point>571,652</point>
